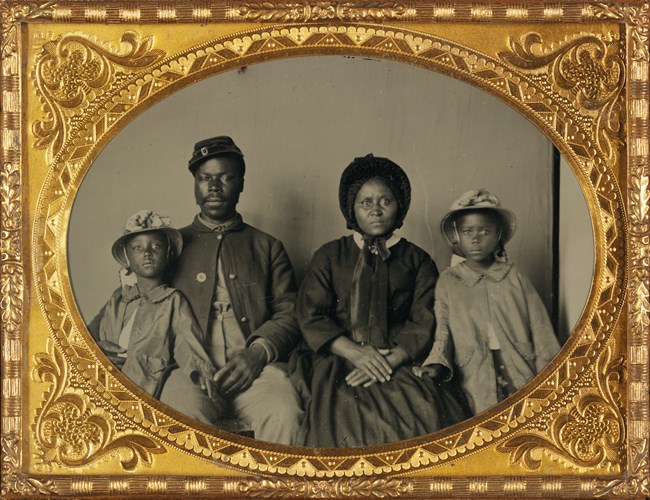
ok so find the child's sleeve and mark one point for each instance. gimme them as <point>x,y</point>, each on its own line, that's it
<point>541,330</point>
<point>442,351</point>
<point>189,351</point>
<point>97,327</point>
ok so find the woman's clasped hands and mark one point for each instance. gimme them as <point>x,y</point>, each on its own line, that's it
<point>372,365</point>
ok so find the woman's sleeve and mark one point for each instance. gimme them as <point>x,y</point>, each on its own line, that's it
<point>189,351</point>
<point>541,330</point>
<point>442,351</point>
<point>317,304</point>
<point>416,335</point>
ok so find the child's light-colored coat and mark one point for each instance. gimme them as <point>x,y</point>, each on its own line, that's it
<point>467,304</point>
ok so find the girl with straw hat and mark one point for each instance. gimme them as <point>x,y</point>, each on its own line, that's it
<point>148,328</point>
<point>492,327</point>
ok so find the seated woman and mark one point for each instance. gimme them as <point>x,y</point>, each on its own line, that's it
<point>365,309</point>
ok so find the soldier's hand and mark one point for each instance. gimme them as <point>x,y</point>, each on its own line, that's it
<point>241,370</point>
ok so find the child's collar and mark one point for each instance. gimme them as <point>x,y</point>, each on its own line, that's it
<point>497,272</point>
<point>158,294</point>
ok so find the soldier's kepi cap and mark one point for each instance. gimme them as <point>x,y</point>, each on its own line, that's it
<point>215,146</point>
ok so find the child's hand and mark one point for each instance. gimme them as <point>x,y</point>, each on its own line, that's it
<point>434,371</point>
<point>207,386</point>
<point>114,352</point>
<point>202,377</point>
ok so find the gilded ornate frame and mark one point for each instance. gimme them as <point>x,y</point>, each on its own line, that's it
<point>70,425</point>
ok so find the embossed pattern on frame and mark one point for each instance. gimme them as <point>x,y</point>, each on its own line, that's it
<point>623,222</point>
<point>592,144</point>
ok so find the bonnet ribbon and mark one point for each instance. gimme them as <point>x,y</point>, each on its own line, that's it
<point>369,295</point>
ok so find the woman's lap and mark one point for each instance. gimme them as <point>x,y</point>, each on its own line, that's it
<point>402,408</point>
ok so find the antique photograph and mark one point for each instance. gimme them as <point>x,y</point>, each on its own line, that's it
<point>324,249</point>
<point>437,147</point>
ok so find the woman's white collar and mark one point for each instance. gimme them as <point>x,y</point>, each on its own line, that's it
<point>393,240</point>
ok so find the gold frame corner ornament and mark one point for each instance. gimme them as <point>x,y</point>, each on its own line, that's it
<point>84,72</point>
<point>71,431</point>
<point>593,426</point>
<point>12,13</point>
<point>587,433</point>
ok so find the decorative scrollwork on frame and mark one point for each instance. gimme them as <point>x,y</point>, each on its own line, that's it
<point>528,91</point>
<point>295,488</point>
<point>70,431</point>
<point>321,11</point>
<point>589,433</point>
<point>640,304</point>
<point>73,71</point>
<point>10,189</point>
<point>14,12</point>
<point>592,70</point>
<point>637,17</point>
<point>10,212</point>
<point>14,481</point>
<point>640,199</point>
<point>636,484</point>
<point>11,297</point>
<point>11,277</point>
<point>607,11</point>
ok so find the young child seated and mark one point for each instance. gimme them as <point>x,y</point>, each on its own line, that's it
<point>491,323</point>
<point>149,328</point>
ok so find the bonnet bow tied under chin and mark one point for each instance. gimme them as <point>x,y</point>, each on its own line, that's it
<point>369,293</point>
<point>376,245</point>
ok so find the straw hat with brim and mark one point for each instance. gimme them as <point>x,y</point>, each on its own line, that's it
<point>478,199</point>
<point>143,222</point>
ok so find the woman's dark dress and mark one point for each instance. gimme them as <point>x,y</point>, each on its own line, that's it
<point>338,415</point>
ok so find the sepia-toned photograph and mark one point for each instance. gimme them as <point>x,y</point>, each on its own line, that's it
<point>393,264</point>
<point>324,249</point>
